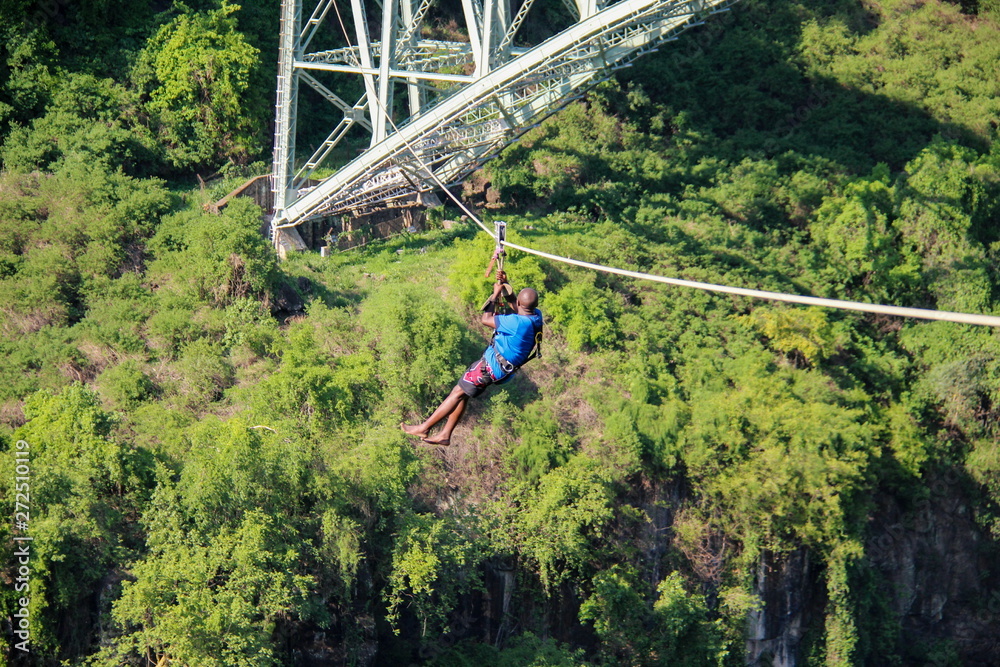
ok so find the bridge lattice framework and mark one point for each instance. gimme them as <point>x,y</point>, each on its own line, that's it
<point>464,100</point>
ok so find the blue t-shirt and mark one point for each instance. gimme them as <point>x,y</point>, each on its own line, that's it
<point>514,340</point>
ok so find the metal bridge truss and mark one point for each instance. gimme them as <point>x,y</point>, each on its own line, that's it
<point>465,100</point>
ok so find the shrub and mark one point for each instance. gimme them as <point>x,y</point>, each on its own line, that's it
<point>215,258</point>
<point>204,374</point>
<point>434,560</point>
<point>195,75</point>
<point>585,315</point>
<point>420,344</point>
<point>674,630</point>
<point>126,385</point>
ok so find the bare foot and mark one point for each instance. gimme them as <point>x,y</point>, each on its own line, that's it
<point>444,442</point>
<point>413,430</point>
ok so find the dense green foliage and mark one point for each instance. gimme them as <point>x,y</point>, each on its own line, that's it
<point>217,482</point>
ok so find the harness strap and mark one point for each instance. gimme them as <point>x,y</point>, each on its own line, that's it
<point>536,351</point>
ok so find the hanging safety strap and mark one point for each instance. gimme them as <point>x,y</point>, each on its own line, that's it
<point>536,351</point>
<point>500,232</point>
<point>497,259</point>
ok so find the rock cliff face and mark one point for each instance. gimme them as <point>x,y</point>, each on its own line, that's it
<point>931,570</point>
<point>794,598</point>
<point>940,573</point>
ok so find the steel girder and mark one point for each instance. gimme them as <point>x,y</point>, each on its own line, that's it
<point>487,92</point>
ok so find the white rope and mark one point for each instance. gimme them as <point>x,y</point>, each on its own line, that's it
<point>897,311</point>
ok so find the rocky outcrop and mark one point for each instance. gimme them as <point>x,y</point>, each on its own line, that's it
<point>792,600</point>
<point>940,573</point>
<point>932,571</point>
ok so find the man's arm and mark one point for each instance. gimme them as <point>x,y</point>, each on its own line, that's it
<point>488,317</point>
<point>507,294</point>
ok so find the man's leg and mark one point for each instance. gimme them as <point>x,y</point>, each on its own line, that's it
<point>444,437</point>
<point>456,399</point>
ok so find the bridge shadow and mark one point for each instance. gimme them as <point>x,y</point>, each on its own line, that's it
<point>740,87</point>
<point>739,78</point>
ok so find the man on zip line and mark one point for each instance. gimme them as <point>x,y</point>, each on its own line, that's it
<point>516,335</point>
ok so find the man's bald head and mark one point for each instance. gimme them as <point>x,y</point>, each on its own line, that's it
<point>527,298</point>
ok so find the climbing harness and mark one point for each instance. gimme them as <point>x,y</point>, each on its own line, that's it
<point>506,366</point>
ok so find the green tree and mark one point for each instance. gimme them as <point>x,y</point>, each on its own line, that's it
<point>194,75</point>
<point>673,630</point>
<point>88,121</point>
<point>943,204</point>
<point>559,525</point>
<point>313,388</point>
<point>126,385</point>
<point>854,231</point>
<point>584,314</point>
<point>86,490</point>
<point>784,454</point>
<point>28,60</point>
<point>434,560</point>
<point>419,342</point>
<point>210,600</point>
<point>64,236</point>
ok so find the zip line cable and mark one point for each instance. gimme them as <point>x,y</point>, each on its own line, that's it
<point>899,311</point>
<point>896,311</point>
